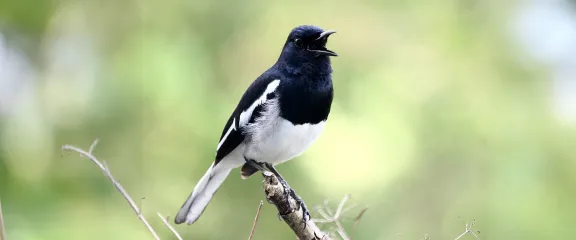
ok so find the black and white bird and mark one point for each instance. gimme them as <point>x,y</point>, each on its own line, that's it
<point>278,117</point>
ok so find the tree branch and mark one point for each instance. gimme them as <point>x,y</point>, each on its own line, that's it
<point>289,210</point>
<point>119,187</point>
<point>2,230</point>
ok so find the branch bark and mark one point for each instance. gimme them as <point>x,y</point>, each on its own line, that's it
<point>289,210</point>
<point>287,206</point>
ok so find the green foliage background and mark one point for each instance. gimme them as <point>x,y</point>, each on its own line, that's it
<point>439,118</point>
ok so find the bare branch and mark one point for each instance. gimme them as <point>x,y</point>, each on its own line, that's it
<point>341,230</point>
<point>119,187</point>
<point>290,210</point>
<point>349,208</point>
<point>255,220</point>
<point>327,207</point>
<point>339,210</point>
<point>165,221</point>
<point>326,213</point>
<point>462,235</point>
<point>93,145</point>
<point>469,230</point>
<point>2,229</point>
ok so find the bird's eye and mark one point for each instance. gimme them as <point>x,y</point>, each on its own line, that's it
<point>298,42</point>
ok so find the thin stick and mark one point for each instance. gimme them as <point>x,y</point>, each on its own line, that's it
<point>461,235</point>
<point>165,221</point>
<point>93,145</point>
<point>255,220</point>
<point>359,217</point>
<point>328,217</point>
<point>341,230</point>
<point>327,207</point>
<point>325,215</point>
<point>357,221</point>
<point>119,187</point>
<point>2,230</point>
<point>339,210</point>
<point>349,208</point>
<point>468,230</point>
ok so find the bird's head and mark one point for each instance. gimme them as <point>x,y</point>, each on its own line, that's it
<point>307,44</point>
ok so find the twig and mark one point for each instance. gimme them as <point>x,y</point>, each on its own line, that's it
<point>359,217</point>
<point>350,207</point>
<point>255,220</point>
<point>339,210</point>
<point>336,218</point>
<point>461,235</point>
<point>93,145</point>
<point>289,210</point>
<point>341,231</point>
<point>165,221</point>
<point>358,220</point>
<point>326,213</point>
<point>119,187</point>
<point>469,231</point>
<point>327,207</point>
<point>2,230</point>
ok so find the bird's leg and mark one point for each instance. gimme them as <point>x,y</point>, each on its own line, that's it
<point>288,191</point>
<point>257,165</point>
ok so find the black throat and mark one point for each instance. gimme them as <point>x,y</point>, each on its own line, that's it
<point>306,93</point>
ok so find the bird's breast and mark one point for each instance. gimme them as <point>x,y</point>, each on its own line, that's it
<point>306,102</point>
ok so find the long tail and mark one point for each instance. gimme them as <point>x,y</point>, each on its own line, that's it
<point>203,192</point>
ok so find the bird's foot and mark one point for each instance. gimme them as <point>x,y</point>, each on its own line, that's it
<point>258,165</point>
<point>289,192</point>
<point>305,213</point>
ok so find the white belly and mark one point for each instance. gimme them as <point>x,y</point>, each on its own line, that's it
<point>274,140</point>
<point>282,141</point>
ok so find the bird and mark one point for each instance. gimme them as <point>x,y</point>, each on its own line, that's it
<point>277,118</point>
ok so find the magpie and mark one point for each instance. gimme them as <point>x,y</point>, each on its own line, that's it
<point>279,116</point>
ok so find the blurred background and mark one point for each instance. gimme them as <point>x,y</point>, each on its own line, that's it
<point>445,111</point>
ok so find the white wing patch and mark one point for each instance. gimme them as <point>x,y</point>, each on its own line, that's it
<point>246,114</point>
<point>232,127</point>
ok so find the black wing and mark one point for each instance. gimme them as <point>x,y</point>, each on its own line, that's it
<point>249,107</point>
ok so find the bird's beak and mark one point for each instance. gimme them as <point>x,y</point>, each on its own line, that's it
<point>323,50</point>
<point>325,34</point>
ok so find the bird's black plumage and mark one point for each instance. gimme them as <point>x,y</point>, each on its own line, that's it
<point>236,136</point>
<point>281,113</point>
<point>306,90</point>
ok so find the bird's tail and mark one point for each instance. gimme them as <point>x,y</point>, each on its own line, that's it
<point>203,192</point>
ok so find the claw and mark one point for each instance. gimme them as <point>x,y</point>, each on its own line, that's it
<point>302,205</point>
<point>288,191</point>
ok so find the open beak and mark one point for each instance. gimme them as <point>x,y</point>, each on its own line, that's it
<point>322,50</point>
<point>325,34</point>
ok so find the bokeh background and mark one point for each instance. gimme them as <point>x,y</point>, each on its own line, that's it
<point>445,111</point>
